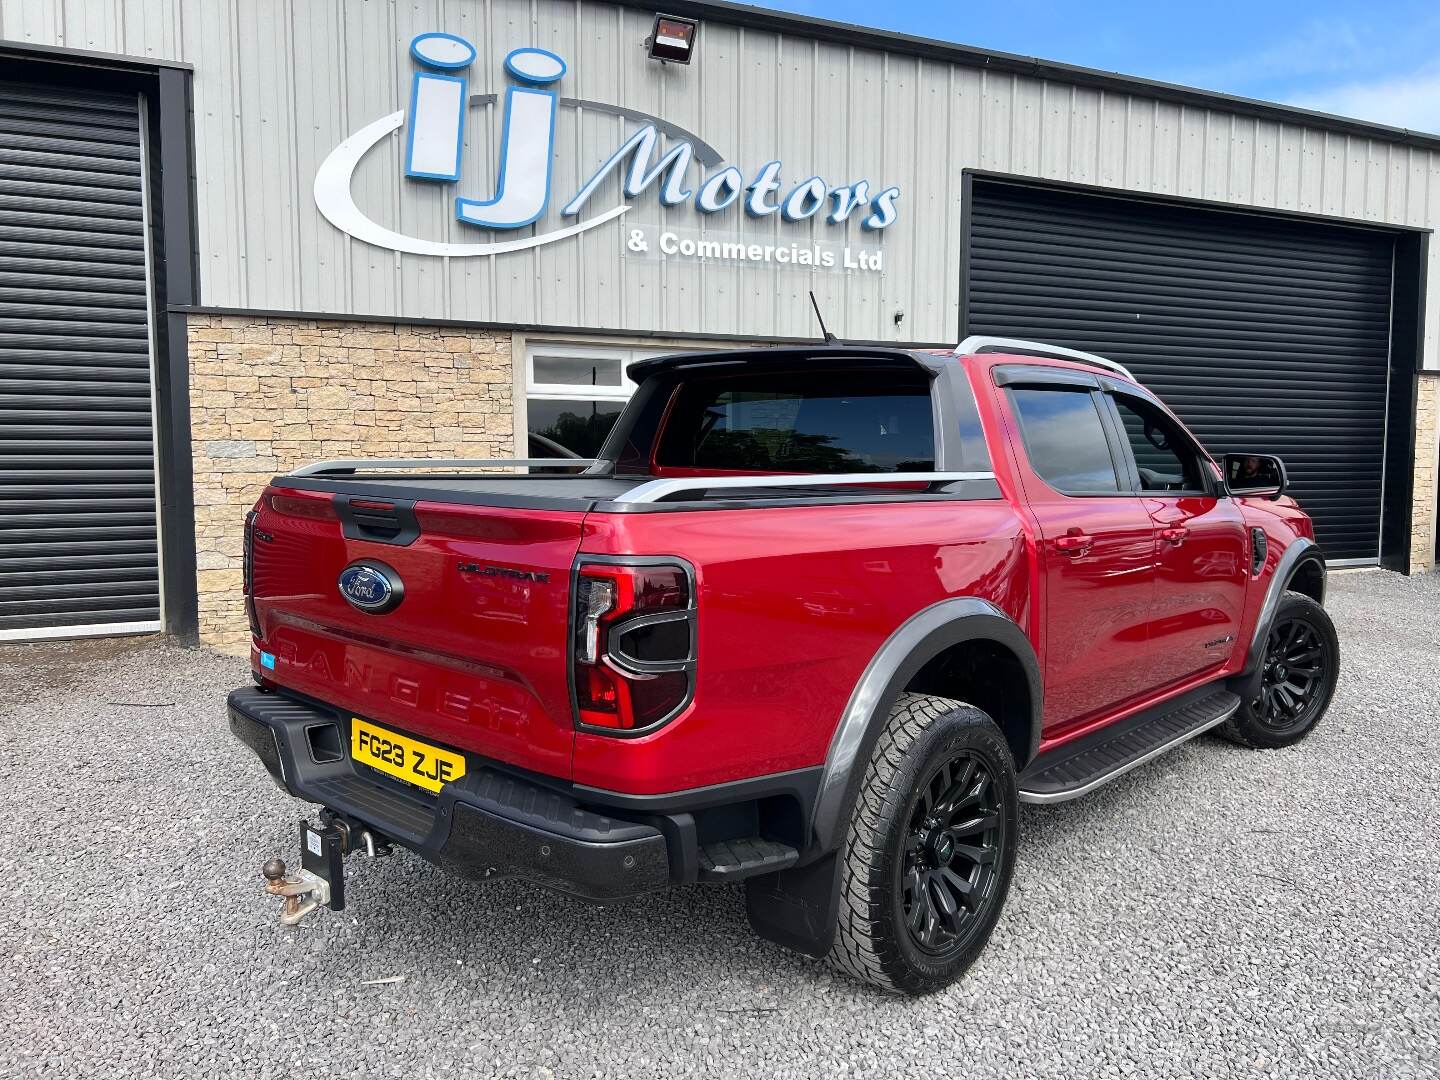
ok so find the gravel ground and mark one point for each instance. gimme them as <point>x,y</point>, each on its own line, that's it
<point>1221,912</point>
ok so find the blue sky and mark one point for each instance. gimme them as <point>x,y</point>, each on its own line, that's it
<point>1378,61</point>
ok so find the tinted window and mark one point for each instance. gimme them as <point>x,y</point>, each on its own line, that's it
<point>1163,454</point>
<point>1065,439</point>
<point>815,421</point>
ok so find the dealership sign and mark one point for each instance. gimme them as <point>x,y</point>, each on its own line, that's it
<point>693,245</point>
<point>687,174</point>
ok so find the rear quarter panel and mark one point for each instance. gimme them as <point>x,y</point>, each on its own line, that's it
<point>793,602</point>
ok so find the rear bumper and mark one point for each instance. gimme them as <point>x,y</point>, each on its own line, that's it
<point>492,823</point>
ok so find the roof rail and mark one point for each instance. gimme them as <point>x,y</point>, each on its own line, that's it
<point>350,465</point>
<point>978,343</point>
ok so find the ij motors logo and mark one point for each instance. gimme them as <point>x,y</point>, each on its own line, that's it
<point>689,173</point>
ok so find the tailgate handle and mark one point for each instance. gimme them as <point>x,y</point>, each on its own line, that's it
<point>381,521</point>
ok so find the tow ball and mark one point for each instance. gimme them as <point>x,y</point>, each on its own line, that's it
<point>302,892</point>
<point>321,878</point>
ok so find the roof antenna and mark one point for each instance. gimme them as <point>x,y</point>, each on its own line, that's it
<point>830,339</point>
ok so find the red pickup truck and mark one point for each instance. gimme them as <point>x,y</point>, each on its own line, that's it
<point>816,619</point>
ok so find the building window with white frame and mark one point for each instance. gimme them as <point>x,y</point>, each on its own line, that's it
<point>573,394</point>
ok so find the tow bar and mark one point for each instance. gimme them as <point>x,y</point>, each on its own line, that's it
<point>321,878</point>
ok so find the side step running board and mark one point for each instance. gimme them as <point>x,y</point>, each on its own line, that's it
<point>732,860</point>
<point>1079,767</point>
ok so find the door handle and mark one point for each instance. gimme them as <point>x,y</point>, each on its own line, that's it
<point>1176,534</point>
<point>1074,543</point>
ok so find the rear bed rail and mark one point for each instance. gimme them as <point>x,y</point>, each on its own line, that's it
<point>348,466</point>
<point>661,490</point>
<point>604,491</point>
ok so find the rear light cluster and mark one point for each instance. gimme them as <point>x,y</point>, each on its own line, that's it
<point>247,574</point>
<point>634,647</point>
<point>304,506</point>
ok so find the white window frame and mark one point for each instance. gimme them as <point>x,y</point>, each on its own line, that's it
<point>575,392</point>
<point>581,391</point>
<point>572,350</point>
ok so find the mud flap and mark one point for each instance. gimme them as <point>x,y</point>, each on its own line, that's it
<point>1247,687</point>
<point>797,908</point>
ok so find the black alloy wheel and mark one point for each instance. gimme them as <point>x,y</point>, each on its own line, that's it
<point>952,849</point>
<point>930,848</point>
<point>1289,691</point>
<point>1293,675</point>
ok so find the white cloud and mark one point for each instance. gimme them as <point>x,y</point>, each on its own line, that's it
<point>1408,101</point>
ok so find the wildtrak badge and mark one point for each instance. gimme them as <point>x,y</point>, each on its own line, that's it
<point>687,173</point>
<point>486,570</point>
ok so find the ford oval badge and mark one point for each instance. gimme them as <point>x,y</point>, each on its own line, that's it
<point>372,587</point>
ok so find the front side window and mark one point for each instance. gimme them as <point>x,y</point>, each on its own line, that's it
<point>1163,455</point>
<point>812,421</point>
<point>1065,439</point>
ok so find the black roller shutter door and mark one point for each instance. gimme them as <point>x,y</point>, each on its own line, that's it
<point>78,544</point>
<point>1263,333</point>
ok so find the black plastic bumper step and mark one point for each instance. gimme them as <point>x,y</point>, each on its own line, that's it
<point>408,816</point>
<point>732,860</point>
<point>1076,768</point>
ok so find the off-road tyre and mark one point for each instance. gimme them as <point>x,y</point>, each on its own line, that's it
<point>1299,665</point>
<point>884,861</point>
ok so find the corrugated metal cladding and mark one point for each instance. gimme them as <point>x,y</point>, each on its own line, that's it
<point>278,83</point>
<point>77,478</point>
<point>1264,334</point>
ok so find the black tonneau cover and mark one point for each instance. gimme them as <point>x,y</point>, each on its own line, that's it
<point>542,492</point>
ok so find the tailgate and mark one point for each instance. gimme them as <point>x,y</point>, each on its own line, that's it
<point>474,653</point>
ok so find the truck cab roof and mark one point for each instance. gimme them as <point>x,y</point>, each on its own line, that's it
<point>988,351</point>
<point>785,356</point>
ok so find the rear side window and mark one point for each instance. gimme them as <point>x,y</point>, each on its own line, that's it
<point>1065,439</point>
<point>815,421</point>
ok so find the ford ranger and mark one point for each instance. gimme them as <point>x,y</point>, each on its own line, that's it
<point>816,619</point>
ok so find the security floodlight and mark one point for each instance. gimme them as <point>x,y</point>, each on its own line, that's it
<point>673,40</point>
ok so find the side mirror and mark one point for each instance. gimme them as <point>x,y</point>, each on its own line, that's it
<point>1255,475</point>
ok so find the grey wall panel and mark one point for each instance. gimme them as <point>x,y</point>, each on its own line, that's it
<point>279,83</point>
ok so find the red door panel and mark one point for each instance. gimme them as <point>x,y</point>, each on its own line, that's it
<point>1200,542</point>
<point>1200,582</point>
<point>1099,599</point>
<point>1097,552</point>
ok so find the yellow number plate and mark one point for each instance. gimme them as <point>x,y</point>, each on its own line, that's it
<point>399,755</point>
